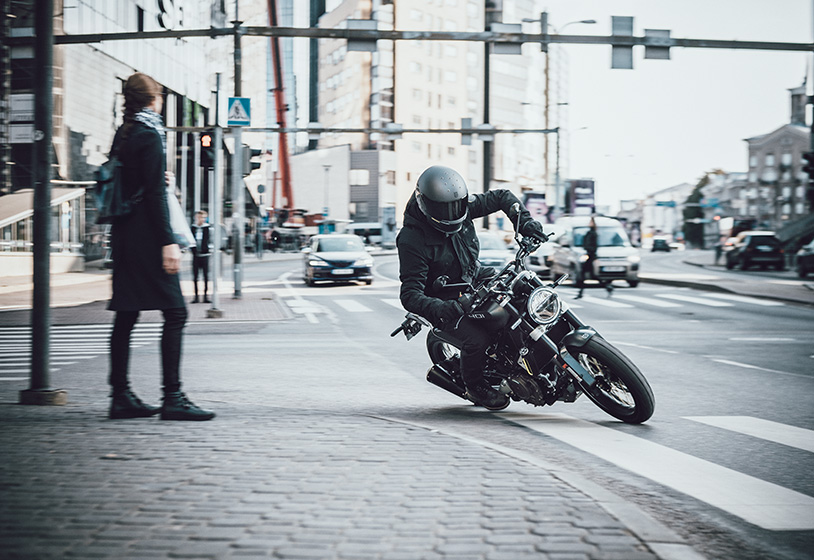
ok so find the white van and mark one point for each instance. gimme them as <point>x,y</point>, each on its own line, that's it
<point>616,257</point>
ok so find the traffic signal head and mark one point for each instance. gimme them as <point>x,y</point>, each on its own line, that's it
<point>208,149</point>
<point>248,155</point>
<point>808,166</point>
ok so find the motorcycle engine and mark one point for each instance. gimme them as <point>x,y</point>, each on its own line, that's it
<point>524,388</point>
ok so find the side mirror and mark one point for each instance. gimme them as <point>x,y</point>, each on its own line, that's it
<point>306,250</point>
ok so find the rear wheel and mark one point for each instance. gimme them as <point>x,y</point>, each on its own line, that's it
<point>439,350</point>
<point>620,390</point>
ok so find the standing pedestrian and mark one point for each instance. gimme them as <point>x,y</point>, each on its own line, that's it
<point>200,254</point>
<point>146,259</point>
<point>590,242</point>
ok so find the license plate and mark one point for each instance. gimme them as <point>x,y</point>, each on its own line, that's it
<point>613,269</point>
<point>341,271</point>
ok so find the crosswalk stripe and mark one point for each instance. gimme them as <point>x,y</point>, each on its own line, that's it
<point>698,300</point>
<point>746,299</point>
<point>776,432</point>
<point>756,501</point>
<point>605,302</point>
<point>352,305</point>
<point>647,301</point>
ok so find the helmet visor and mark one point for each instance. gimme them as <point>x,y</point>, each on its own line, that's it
<point>445,211</point>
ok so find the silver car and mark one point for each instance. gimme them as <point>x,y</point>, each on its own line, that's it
<point>616,258</point>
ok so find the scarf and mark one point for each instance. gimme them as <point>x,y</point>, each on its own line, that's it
<point>153,120</point>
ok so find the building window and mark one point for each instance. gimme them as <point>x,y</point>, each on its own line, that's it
<point>769,161</point>
<point>753,161</point>
<point>800,208</point>
<point>359,177</point>
<point>785,158</point>
<point>451,150</point>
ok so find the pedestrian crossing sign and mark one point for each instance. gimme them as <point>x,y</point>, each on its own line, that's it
<point>240,111</point>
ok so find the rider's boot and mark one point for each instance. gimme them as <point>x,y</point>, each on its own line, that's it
<point>480,393</point>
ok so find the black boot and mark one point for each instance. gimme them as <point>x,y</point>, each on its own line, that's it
<point>579,295</point>
<point>178,407</point>
<point>125,404</point>
<point>483,395</point>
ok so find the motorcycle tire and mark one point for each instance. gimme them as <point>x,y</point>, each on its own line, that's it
<point>439,350</point>
<point>620,390</point>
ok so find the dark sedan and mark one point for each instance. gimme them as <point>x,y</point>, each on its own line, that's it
<point>336,258</point>
<point>756,248</point>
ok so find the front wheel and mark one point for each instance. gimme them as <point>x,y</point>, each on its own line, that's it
<point>620,390</point>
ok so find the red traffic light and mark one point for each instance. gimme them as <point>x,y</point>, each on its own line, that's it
<point>206,141</point>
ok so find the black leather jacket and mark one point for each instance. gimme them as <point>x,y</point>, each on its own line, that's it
<point>426,253</point>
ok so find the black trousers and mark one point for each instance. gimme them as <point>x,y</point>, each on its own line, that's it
<point>171,338</point>
<point>474,338</point>
<point>200,264</point>
<point>588,272</point>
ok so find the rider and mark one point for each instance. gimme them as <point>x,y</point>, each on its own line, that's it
<point>439,239</point>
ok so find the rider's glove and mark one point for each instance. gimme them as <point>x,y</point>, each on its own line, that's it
<point>448,312</point>
<point>534,229</point>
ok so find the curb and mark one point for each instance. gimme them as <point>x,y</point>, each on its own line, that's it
<point>664,542</point>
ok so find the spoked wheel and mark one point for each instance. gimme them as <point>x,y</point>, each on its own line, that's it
<point>620,390</point>
<point>439,350</point>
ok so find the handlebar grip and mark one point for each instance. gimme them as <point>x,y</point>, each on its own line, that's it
<point>397,331</point>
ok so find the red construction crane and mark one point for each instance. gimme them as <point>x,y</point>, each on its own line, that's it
<point>279,102</point>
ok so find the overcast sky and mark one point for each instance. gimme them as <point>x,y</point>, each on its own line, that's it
<point>668,121</point>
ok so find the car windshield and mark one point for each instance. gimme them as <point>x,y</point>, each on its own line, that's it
<point>607,236</point>
<point>491,242</point>
<point>764,240</point>
<point>340,244</point>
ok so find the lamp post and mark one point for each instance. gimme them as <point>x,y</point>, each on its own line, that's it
<point>325,207</point>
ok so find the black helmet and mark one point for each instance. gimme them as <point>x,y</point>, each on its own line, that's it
<point>442,197</point>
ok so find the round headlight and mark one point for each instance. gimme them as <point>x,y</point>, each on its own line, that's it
<point>544,305</point>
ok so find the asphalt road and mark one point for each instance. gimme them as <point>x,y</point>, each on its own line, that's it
<point>732,378</point>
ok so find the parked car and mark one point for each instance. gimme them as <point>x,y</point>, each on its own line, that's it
<point>336,258</point>
<point>752,248</point>
<point>493,250</point>
<point>660,244</point>
<point>805,259</point>
<point>616,257</point>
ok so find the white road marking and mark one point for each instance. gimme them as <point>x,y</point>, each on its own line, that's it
<point>645,347</point>
<point>395,303</point>
<point>776,432</point>
<point>352,305</point>
<point>749,366</point>
<point>698,300</point>
<point>607,302</point>
<point>14,378</point>
<point>295,297</point>
<point>762,339</point>
<point>647,301</point>
<point>745,299</point>
<point>756,501</point>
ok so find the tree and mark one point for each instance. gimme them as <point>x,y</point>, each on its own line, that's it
<point>694,230</point>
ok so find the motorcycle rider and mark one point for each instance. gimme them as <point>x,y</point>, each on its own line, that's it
<point>590,242</point>
<point>439,239</point>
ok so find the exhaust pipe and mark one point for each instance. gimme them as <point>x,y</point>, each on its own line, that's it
<point>441,377</point>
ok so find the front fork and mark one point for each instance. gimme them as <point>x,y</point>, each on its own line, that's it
<point>578,337</point>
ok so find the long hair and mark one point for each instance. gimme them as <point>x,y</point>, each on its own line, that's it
<point>139,92</point>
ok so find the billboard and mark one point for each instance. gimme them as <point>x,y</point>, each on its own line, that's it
<point>537,206</point>
<point>581,201</point>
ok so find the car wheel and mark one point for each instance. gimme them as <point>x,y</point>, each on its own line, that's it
<point>801,271</point>
<point>729,264</point>
<point>744,264</point>
<point>368,282</point>
<point>632,283</point>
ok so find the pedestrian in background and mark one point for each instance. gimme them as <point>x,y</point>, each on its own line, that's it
<point>200,254</point>
<point>590,242</point>
<point>146,258</point>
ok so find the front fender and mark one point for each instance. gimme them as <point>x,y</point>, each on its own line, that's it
<point>578,337</point>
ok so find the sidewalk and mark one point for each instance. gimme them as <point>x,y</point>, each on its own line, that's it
<point>710,277</point>
<point>270,481</point>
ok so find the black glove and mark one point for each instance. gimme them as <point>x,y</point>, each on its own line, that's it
<point>448,312</point>
<point>534,229</point>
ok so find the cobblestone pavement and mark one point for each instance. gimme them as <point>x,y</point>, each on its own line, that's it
<point>280,483</point>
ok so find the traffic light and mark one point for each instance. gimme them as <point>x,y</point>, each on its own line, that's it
<point>208,149</point>
<point>808,166</point>
<point>248,164</point>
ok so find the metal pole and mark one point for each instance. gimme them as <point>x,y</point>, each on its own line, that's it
<point>560,197</point>
<point>215,199</point>
<point>196,165</point>
<point>238,204</point>
<point>487,144</point>
<point>39,391</point>
<point>183,179</point>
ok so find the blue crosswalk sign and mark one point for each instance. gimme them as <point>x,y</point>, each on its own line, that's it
<point>240,111</point>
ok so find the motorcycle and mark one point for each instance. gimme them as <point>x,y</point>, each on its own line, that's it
<point>541,352</point>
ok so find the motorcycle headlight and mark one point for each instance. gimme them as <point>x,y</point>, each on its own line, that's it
<point>544,306</point>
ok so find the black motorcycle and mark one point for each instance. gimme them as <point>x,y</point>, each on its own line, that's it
<point>542,353</point>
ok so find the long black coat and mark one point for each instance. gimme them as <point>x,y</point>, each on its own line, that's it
<point>139,280</point>
<point>426,253</point>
